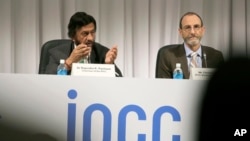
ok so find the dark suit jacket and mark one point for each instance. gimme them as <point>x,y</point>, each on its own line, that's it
<point>169,55</point>
<point>63,52</point>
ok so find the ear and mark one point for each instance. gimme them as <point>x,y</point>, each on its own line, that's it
<point>203,30</point>
<point>180,31</point>
<point>73,39</point>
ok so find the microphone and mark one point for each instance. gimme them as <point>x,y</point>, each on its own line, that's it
<point>117,74</point>
<point>88,58</point>
<point>205,59</point>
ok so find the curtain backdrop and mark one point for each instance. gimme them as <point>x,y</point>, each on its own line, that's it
<point>138,27</point>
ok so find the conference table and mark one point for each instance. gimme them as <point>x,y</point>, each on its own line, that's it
<point>74,108</point>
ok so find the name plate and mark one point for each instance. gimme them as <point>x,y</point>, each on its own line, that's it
<point>103,70</point>
<point>201,73</point>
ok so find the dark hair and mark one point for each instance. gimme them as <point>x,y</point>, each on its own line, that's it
<point>78,20</point>
<point>190,13</point>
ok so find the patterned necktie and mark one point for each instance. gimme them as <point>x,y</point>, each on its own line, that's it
<point>193,62</point>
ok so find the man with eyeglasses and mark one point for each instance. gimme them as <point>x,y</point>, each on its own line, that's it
<point>191,53</point>
<point>83,48</point>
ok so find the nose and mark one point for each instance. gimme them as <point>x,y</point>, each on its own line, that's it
<point>192,30</point>
<point>90,36</point>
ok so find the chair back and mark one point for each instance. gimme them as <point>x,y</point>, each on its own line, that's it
<point>160,56</point>
<point>44,56</point>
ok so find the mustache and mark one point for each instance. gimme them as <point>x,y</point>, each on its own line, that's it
<point>192,36</point>
<point>89,43</point>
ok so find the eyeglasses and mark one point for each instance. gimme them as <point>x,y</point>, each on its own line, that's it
<point>188,28</point>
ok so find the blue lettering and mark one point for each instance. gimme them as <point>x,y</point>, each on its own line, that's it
<point>72,94</point>
<point>157,121</point>
<point>122,121</point>
<point>107,120</point>
<point>87,122</point>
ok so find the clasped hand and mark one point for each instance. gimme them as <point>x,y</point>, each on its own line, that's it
<point>80,51</point>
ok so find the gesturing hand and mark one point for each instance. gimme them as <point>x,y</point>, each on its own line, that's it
<point>111,55</point>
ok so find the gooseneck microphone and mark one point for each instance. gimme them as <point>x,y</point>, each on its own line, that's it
<point>205,59</point>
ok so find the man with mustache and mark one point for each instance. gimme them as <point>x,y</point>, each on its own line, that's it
<point>191,29</point>
<point>82,46</point>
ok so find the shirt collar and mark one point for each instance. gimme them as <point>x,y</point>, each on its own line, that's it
<point>189,51</point>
